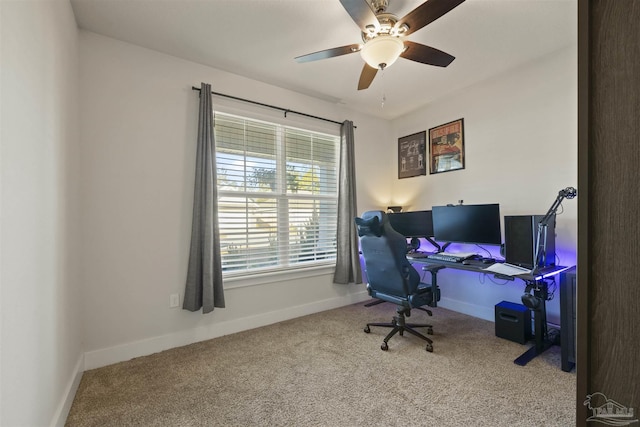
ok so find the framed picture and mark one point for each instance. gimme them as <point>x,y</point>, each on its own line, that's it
<point>446,147</point>
<point>412,155</point>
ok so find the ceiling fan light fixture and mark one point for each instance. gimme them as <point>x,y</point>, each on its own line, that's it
<point>382,51</point>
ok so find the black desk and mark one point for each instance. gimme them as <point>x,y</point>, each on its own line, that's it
<point>534,283</point>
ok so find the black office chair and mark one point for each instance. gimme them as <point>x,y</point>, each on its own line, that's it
<point>391,277</point>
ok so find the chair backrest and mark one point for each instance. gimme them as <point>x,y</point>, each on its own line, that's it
<point>384,251</point>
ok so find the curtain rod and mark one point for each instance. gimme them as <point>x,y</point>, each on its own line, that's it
<point>286,110</point>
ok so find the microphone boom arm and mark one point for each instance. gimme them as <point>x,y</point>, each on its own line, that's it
<point>541,255</point>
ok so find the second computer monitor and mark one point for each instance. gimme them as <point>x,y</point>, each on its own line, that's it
<point>412,224</point>
<point>477,224</point>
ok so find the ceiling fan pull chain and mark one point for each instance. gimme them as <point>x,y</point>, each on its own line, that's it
<point>384,95</point>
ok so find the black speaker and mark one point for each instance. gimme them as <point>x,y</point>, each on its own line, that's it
<point>520,236</point>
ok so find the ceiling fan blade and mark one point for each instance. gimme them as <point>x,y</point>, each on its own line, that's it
<point>426,13</point>
<point>367,76</point>
<point>329,53</point>
<point>361,13</point>
<point>426,54</point>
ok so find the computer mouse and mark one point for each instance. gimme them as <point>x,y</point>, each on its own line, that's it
<point>466,262</point>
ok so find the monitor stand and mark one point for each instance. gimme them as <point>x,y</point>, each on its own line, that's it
<point>414,245</point>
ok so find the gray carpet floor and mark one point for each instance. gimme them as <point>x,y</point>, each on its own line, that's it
<point>323,370</point>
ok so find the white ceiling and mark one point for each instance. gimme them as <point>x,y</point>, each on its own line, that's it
<point>259,39</point>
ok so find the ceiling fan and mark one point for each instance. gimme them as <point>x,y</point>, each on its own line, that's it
<point>384,36</point>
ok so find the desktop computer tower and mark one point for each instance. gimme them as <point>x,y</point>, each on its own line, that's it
<point>513,322</point>
<point>520,236</point>
<point>568,285</point>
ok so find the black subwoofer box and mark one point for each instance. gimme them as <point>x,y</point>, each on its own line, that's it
<point>513,322</point>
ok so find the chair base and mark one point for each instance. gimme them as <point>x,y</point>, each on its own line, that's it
<point>399,325</point>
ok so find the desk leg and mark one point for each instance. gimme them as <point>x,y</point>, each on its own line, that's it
<point>542,342</point>
<point>434,282</point>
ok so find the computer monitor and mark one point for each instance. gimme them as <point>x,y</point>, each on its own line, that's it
<point>412,224</point>
<point>476,224</point>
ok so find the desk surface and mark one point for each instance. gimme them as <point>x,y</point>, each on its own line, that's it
<point>548,271</point>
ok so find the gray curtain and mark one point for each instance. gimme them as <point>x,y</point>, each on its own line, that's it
<point>204,276</point>
<point>348,257</point>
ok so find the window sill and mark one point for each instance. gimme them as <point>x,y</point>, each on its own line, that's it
<point>277,276</point>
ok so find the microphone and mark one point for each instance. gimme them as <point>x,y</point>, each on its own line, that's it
<point>568,192</point>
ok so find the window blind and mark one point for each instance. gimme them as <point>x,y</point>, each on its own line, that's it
<point>277,189</point>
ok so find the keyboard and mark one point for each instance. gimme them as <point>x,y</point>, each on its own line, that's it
<point>449,257</point>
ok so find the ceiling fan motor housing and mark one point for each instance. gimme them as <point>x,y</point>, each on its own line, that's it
<point>387,25</point>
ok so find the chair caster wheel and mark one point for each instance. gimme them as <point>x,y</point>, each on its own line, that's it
<point>366,329</point>
<point>384,346</point>
<point>430,348</point>
<point>430,331</point>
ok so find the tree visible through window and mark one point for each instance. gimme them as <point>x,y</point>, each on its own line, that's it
<point>278,195</point>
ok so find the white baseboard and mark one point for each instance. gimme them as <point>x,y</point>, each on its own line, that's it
<point>482,312</point>
<point>60,417</point>
<point>107,356</point>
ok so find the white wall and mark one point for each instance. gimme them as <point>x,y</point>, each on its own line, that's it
<point>138,132</point>
<point>521,149</point>
<point>41,351</point>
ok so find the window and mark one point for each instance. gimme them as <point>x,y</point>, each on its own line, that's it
<point>277,195</point>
